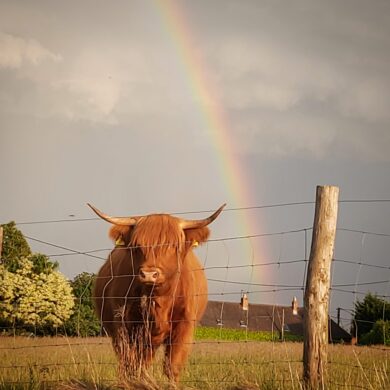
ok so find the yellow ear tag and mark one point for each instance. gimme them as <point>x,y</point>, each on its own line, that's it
<point>119,242</point>
<point>195,243</point>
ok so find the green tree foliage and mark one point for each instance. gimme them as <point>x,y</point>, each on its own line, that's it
<point>30,299</point>
<point>42,264</point>
<point>368,312</point>
<point>379,334</point>
<point>15,247</point>
<point>83,321</point>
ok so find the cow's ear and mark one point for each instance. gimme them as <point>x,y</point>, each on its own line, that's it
<point>197,236</point>
<point>120,235</point>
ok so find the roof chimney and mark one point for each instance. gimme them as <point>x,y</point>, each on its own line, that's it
<point>244,302</point>
<point>294,306</point>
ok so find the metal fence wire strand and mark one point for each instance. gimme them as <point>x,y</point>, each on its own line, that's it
<point>221,356</point>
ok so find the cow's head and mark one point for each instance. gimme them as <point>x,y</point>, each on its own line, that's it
<point>158,243</point>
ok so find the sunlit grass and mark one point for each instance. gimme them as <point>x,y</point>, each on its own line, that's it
<point>225,334</point>
<point>90,363</point>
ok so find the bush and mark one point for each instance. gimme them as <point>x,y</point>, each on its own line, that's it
<point>83,321</point>
<point>367,312</point>
<point>32,300</point>
<point>379,334</point>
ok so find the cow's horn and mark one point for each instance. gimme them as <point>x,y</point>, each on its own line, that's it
<point>124,221</point>
<point>192,224</point>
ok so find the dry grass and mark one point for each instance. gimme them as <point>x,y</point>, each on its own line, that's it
<point>74,363</point>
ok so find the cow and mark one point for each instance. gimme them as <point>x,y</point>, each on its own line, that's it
<point>152,289</point>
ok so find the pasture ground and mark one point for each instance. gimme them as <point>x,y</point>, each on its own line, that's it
<point>89,363</point>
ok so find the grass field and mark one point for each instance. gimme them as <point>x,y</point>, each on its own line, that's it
<point>89,363</point>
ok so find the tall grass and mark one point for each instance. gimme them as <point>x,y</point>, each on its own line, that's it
<point>90,363</point>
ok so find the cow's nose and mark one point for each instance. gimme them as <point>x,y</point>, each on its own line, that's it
<point>148,276</point>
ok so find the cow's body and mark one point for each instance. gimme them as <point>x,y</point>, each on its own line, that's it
<point>152,289</point>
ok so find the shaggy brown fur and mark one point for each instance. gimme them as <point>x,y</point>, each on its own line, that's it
<point>153,315</point>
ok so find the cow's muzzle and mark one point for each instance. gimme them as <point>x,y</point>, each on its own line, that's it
<point>149,276</point>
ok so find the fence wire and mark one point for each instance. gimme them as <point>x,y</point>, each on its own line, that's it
<point>232,354</point>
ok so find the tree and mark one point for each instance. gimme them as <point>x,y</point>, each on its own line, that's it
<point>15,247</point>
<point>42,264</point>
<point>83,321</point>
<point>30,299</point>
<point>368,312</point>
<point>379,334</point>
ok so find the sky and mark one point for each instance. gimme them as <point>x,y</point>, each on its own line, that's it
<point>181,106</point>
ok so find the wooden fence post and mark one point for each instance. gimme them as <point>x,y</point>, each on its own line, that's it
<point>316,301</point>
<point>1,242</point>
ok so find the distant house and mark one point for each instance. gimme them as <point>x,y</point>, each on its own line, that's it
<point>268,318</point>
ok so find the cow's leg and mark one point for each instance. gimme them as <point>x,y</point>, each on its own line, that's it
<point>178,346</point>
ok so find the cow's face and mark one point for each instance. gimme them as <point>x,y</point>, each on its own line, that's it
<point>158,246</point>
<point>158,243</point>
<point>157,268</point>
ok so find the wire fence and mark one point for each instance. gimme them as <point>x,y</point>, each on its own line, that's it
<point>234,351</point>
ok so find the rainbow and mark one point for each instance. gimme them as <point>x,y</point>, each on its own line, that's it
<point>211,110</point>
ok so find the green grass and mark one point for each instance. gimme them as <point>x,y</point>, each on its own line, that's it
<point>215,363</point>
<point>224,334</point>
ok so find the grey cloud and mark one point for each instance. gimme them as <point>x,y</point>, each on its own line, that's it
<point>16,51</point>
<point>291,78</point>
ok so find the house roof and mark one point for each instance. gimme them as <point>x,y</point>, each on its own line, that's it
<point>261,317</point>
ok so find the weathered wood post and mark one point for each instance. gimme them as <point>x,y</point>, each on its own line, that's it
<point>1,242</point>
<point>316,301</point>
